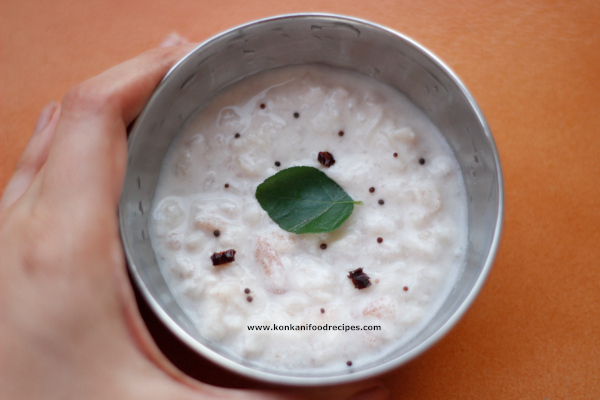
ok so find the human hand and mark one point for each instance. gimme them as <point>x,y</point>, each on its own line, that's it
<point>70,327</point>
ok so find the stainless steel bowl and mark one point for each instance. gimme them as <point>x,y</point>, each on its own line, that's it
<point>341,42</point>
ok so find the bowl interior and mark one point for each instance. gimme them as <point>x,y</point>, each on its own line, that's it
<point>339,42</point>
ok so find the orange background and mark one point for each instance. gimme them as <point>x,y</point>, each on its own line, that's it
<point>533,67</point>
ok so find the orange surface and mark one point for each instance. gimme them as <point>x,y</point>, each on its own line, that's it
<point>533,67</point>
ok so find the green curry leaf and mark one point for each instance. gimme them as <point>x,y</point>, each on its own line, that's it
<point>305,200</point>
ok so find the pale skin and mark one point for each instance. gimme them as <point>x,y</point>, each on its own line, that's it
<point>69,324</point>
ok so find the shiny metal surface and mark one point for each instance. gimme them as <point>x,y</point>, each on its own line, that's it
<point>340,42</point>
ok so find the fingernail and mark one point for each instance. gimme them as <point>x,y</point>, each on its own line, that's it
<point>172,40</point>
<point>45,116</point>
<point>376,393</point>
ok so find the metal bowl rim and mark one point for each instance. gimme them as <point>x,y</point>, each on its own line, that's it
<point>285,379</point>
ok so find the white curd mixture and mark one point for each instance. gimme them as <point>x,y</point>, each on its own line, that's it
<point>409,236</point>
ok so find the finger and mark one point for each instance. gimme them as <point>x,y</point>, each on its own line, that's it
<point>34,156</point>
<point>45,116</point>
<point>87,161</point>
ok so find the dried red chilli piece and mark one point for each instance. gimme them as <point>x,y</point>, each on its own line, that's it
<point>326,158</point>
<point>223,257</point>
<point>359,279</point>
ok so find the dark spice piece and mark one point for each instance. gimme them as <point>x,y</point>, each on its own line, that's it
<point>349,363</point>
<point>249,299</point>
<point>395,154</point>
<point>372,190</point>
<point>223,257</point>
<point>381,202</point>
<point>405,288</point>
<point>217,233</point>
<point>237,135</point>
<point>379,240</point>
<point>296,115</point>
<point>322,311</point>
<point>326,158</point>
<point>323,246</point>
<point>262,105</point>
<point>226,185</point>
<point>421,161</point>
<point>359,279</point>
<point>277,164</point>
<point>341,133</point>
<point>246,290</point>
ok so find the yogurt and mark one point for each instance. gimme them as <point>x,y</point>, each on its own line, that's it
<point>287,301</point>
